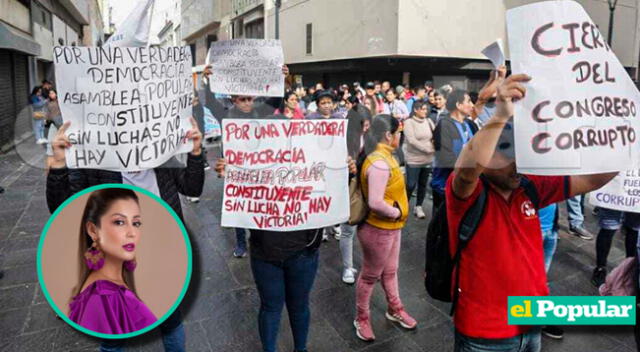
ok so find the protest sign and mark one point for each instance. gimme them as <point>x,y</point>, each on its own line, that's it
<point>580,113</point>
<point>285,175</point>
<point>129,107</point>
<point>495,53</point>
<point>247,67</point>
<point>622,193</point>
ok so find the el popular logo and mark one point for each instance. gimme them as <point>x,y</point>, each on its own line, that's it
<point>572,310</point>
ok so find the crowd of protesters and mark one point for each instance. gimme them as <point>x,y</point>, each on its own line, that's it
<point>397,139</point>
<point>401,137</point>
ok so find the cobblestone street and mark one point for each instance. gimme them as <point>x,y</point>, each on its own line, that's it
<point>221,308</point>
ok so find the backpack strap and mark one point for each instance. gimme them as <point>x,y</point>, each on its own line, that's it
<point>466,231</point>
<point>531,191</point>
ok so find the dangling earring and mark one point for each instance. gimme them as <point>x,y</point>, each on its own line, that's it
<point>93,257</point>
<point>130,265</point>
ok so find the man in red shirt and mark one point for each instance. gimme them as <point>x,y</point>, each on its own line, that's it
<point>505,256</point>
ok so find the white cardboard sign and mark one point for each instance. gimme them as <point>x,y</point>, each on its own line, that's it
<point>622,193</point>
<point>285,175</point>
<point>580,113</point>
<point>129,107</point>
<point>495,53</point>
<point>247,67</point>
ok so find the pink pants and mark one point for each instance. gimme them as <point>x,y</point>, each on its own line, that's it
<point>381,254</point>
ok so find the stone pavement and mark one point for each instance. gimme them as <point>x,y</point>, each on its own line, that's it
<point>220,311</point>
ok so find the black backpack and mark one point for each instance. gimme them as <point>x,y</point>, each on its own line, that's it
<point>440,266</point>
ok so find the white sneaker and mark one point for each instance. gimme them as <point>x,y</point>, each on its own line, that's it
<point>41,141</point>
<point>419,213</point>
<point>349,276</point>
<point>193,199</point>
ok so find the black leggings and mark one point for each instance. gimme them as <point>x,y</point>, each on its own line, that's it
<point>438,199</point>
<point>603,244</point>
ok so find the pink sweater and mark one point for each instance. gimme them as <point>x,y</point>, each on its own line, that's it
<point>377,178</point>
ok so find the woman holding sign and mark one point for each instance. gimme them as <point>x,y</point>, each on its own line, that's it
<point>383,184</point>
<point>167,181</point>
<point>284,266</point>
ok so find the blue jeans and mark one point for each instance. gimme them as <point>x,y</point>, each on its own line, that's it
<point>574,208</point>
<point>289,281</point>
<point>610,219</point>
<point>173,336</point>
<point>38,128</point>
<point>346,244</point>
<point>549,243</point>
<point>241,238</point>
<point>528,342</point>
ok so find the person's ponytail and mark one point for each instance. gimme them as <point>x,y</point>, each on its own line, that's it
<point>380,125</point>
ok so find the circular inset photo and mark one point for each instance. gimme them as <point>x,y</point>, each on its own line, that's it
<point>114,261</point>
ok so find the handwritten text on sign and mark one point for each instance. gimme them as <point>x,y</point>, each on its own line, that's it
<point>129,107</point>
<point>622,193</point>
<point>285,175</point>
<point>247,67</point>
<point>580,114</point>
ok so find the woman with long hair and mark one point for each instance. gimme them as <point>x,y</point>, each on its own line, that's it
<point>37,120</point>
<point>52,109</point>
<point>383,184</point>
<point>105,299</point>
<point>370,103</point>
<point>290,107</point>
<point>419,152</point>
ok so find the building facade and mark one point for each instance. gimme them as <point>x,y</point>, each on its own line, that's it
<point>204,22</point>
<point>29,30</point>
<point>410,42</point>
<point>200,25</point>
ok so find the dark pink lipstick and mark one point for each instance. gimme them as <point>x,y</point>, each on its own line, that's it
<point>130,247</point>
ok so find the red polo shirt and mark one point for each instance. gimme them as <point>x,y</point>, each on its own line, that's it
<point>504,258</point>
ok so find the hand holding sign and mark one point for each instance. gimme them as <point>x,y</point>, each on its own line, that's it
<point>220,167</point>
<point>581,114</point>
<point>353,169</point>
<point>59,145</point>
<point>491,87</point>
<point>195,135</point>
<point>511,90</point>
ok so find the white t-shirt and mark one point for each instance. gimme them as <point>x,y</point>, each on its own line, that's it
<point>144,179</point>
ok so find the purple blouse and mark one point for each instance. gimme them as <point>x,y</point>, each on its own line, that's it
<point>109,308</point>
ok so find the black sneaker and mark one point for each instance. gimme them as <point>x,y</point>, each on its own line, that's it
<point>599,276</point>
<point>552,331</point>
<point>581,232</point>
<point>207,167</point>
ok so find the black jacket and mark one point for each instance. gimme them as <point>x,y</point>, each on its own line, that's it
<point>272,246</point>
<point>354,133</point>
<point>172,179</point>
<point>220,112</point>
